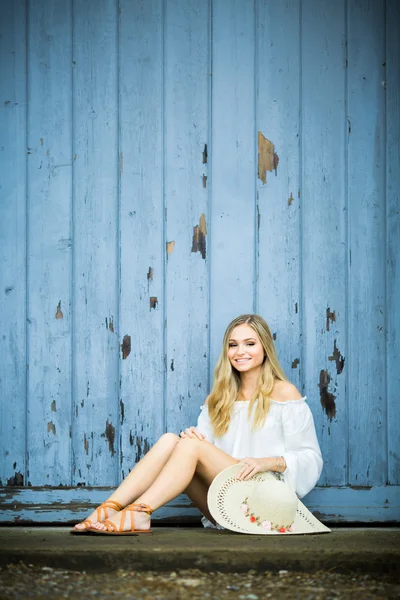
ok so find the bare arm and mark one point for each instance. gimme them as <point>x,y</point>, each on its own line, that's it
<point>251,466</point>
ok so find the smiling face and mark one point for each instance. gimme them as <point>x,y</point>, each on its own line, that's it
<point>245,351</point>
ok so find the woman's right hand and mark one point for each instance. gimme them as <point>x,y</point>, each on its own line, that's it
<point>191,432</point>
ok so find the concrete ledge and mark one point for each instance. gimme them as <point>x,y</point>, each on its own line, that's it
<point>361,550</point>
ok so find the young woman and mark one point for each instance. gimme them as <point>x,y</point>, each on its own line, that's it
<point>253,415</point>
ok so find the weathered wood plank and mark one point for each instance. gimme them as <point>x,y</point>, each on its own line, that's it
<point>49,242</point>
<point>366,193</point>
<point>13,241</point>
<point>393,235</point>
<point>187,74</point>
<point>233,167</point>
<point>95,269</point>
<point>71,505</point>
<point>277,118</point>
<point>378,504</point>
<point>142,246</point>
<point>324,233</point>
<point>375,504</point>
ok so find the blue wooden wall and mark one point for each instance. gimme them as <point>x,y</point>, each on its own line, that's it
<point>165,166</point>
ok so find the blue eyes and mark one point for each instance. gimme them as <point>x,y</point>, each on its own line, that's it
<point>234,345</point>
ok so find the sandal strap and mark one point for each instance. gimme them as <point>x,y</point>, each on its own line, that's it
<point>87,523</point>
<point>140,508</point>
<point>105,506</point>
<point>133,508</point>
<point>110,526</point>
<point>113,504</point>
<point>122,521</point>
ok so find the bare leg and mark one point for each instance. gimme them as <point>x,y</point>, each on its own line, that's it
<point>146,470</point>
<point>142,475</point>
<point>188,456</point>
<point>197,491</point>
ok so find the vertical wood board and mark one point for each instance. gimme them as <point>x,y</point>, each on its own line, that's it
<point>233,167</point>
<point>393,236</point>
<point>323,247</point>
<point>366,294</point>
<point>186,64</point>
<point>278,202</point>
<point>142,246</point>
<point>95,268</point>
<point>49,242</point>
<point>13,242</point>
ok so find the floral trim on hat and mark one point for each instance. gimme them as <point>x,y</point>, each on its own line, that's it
<point>264,524</point>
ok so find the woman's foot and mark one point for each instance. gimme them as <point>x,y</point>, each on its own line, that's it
<point>105,511</point>
<point>133,518</point>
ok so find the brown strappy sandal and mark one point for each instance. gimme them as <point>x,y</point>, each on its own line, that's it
<point>88,523</point>
<point>112,528</point>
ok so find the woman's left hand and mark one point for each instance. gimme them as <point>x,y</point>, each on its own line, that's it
<point>251,466</point>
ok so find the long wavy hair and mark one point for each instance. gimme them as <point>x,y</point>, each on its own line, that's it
<point>226,386</point>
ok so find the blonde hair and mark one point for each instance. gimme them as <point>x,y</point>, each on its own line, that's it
<point>227,379</point>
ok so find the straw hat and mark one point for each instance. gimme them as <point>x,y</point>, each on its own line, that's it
<point>261,505</point>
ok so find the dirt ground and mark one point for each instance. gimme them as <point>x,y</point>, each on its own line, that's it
<point>20,581</point>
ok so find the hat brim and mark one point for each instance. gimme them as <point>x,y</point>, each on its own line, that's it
<point>225,496</point>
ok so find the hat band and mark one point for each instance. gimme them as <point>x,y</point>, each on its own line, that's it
<point>268,525</point>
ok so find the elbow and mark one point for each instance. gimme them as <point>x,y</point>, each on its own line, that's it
<point>304,471</point>
<point>319,463</point>
<point>311,477</point>
<point>304,488</point>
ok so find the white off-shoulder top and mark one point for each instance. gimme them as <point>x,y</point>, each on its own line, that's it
<point>288,431</point>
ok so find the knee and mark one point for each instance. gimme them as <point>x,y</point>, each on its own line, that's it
<point>169,439</point>
<point>190,444</point>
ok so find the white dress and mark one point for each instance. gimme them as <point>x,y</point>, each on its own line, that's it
<point>288,431</point>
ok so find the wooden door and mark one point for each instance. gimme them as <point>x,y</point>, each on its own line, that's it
<point>165,166</point>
